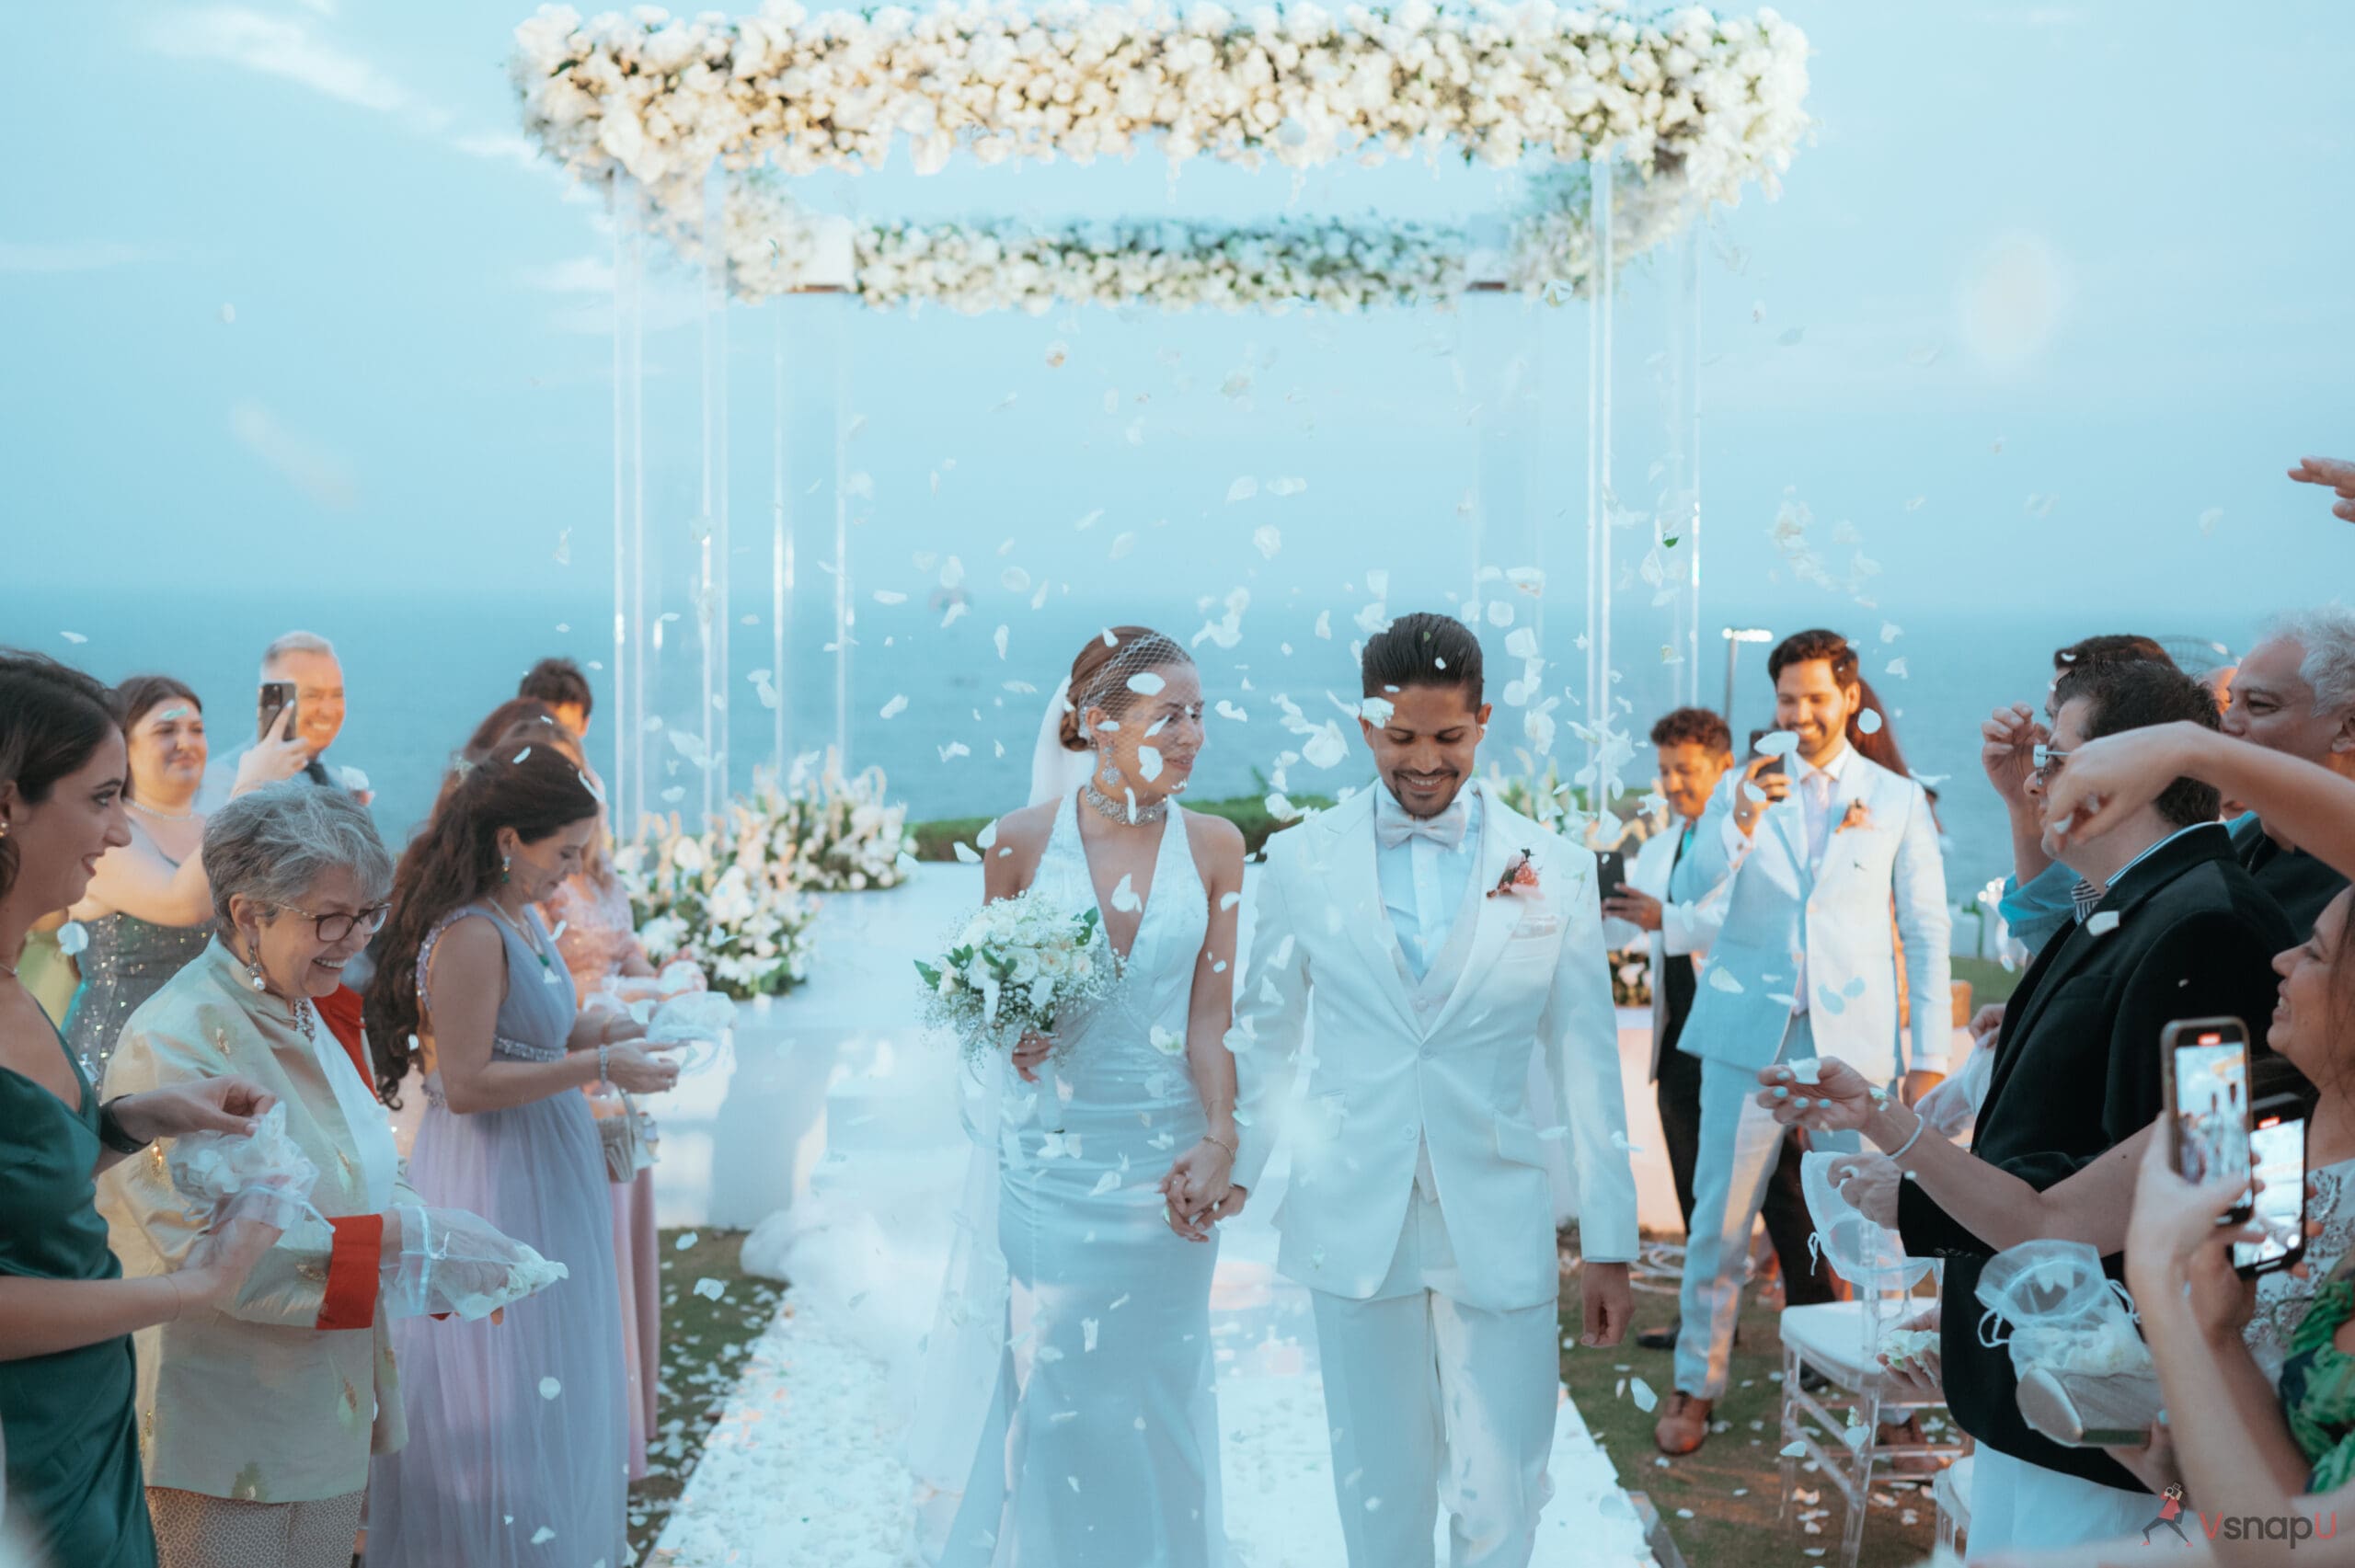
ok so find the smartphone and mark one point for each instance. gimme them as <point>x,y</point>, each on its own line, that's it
<point>1611,871</point>
<point>2277,1144</point>
<point>1775,765</point>
<point>277,699</point>
<point>2205,1061</point>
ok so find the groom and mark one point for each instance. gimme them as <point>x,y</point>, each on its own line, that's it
<point>1435,937</point>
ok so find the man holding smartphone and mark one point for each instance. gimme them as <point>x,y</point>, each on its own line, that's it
<point>304,666</point>
<point>1818,847</point>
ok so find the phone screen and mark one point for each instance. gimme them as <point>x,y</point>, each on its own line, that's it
<point>2211,1108</point>
<point>277,697</point>
<point>2277,1150</point>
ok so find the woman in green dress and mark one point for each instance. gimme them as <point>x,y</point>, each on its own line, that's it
<point>73,1484</point>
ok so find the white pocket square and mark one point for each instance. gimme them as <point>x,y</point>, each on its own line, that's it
<point>1537,925</point>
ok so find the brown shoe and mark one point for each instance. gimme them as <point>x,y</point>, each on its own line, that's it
<point>1684,1424</point>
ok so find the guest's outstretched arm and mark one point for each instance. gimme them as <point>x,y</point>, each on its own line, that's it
<point>2303,802</point>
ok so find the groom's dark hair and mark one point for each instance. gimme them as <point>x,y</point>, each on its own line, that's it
<point>1422,650</point>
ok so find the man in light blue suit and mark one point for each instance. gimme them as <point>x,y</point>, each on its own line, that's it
<point>1834,860</point>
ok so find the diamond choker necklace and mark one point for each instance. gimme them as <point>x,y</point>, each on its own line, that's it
<point>1114,810</point>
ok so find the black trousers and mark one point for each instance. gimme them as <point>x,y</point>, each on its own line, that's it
<point>1677,1092</point>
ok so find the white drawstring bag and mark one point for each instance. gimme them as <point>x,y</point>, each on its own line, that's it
<point>2065,1315</point>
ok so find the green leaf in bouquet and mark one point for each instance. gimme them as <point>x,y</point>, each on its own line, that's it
<point>931,976</point>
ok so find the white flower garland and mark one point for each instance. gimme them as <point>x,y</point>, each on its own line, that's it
<point>774,246</point>
<point>1718,101</point>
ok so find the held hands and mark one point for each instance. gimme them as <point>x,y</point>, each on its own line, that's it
<point>1753,795</point>
<point>2007,744</point>
<point>1199,1191</point>
<point>206,1104</point>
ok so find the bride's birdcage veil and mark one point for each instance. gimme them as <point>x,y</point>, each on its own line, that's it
<point>1105,676</point>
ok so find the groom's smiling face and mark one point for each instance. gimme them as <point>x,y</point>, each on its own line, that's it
<point>1426,750</point>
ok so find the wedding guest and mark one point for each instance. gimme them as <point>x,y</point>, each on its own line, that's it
<point>1660,906</point>
<point>589,915</point>
<point>308,662</point>
<point>559,683</point>
<point>2035,903</point>
<point>73,1488</point>
<point>2295,694</point>
<point>2170,927</point>
<point>519,1429</point>
<point>257,1421</point>
<point>149,908</point>
<point>527,716</point>
<point>1804,964</point>
<point>2336,473</point>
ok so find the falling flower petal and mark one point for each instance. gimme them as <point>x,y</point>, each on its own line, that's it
<point>895,707</point>
<point>1868,721</point>
<point>550,1387</point>
<point>1243,489</point>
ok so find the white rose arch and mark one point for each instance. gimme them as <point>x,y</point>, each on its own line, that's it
<point>695,129</point>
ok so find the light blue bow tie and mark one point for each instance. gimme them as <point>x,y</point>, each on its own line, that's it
<point>1393,826</point>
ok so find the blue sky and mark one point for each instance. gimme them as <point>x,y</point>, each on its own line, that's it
<point>287,287</point>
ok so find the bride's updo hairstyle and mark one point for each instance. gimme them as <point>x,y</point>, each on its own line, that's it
<point>1100,675</point>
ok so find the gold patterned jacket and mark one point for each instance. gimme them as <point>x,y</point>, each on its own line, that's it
<point>282,1397</point>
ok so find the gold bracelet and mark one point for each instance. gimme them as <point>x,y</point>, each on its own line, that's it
<point>1233,1149</point>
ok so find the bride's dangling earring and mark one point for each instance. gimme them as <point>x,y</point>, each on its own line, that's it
<point>1111,773</point>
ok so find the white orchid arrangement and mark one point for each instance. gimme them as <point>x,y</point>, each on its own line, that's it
<point>1715,100</point>
<point>721,899</point>
<point>1018,963</point>
<point>774,246</point>
<point>833,832</point>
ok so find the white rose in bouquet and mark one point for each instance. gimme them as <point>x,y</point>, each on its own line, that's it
<point>1019,964</point>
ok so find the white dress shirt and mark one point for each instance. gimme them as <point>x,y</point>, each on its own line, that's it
<point>1817,789</point>
<point>1423,882</point>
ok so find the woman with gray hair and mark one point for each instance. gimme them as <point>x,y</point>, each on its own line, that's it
<point>257,1421</point>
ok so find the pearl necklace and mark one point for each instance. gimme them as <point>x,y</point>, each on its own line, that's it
<point>1114,810</point>
<point>162,816</point>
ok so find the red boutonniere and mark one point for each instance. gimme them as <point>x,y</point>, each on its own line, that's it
<point>1521,873</point>
<point>1858,815</point>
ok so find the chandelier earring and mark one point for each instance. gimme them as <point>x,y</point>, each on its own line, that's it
<point>1112,770</point>
<point>505,862</point>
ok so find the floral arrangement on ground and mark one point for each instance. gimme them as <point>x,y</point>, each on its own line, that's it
<point>833,832</point>
<point>722,899</point>
<point>1716,100</point>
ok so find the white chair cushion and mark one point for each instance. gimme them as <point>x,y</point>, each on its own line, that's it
<point>1831,1335</point>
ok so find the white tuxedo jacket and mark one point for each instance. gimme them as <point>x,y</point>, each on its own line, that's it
<point>1838,916</point>
<point>1690,913</point>
<point>1325,968</point>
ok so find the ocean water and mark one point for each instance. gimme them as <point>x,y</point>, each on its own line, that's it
<point>422,672</point>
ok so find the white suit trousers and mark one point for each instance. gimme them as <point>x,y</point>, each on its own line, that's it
<point>1431,1401</point>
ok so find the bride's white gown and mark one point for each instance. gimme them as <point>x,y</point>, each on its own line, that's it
<point>1101,1444</point>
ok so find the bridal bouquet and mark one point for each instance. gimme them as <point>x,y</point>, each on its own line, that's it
<point>1019,964</point>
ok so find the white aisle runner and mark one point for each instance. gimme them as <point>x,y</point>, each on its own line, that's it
<point>833,1106</point>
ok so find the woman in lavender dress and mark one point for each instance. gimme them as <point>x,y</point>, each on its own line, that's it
<point>516,1428</point>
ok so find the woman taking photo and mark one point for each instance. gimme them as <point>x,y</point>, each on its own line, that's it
<point>66,1315</point>
<point>149,910</point>
<point>516,1430</point>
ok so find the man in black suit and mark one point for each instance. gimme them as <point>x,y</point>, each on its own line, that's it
<point>2295,693</point>
<point>2167,926</point>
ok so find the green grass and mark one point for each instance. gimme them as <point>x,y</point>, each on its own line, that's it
<point>1248,812</point>
<point>703,1343</point>
<point>1990,981</point>
<point>1728,1531</point>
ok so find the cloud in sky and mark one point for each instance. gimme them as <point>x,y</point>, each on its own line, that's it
<point>318,472</point>
<point>67,255</point>
<point>277,47</point>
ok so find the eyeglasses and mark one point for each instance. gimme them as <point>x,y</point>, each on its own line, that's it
<point>2044,757</point>
<point>334,927</point>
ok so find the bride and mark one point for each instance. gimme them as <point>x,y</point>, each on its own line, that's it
<point>1109,1161</point>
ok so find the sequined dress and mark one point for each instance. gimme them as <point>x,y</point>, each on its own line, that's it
<point>128,961</point>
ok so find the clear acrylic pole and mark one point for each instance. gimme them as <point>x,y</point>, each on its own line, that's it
<point>781,562</point>
<point>711,602</point>
<point>1599,499</point>
<point>846,615</point>
<point>1681,519</point>
<point>627,786</point>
